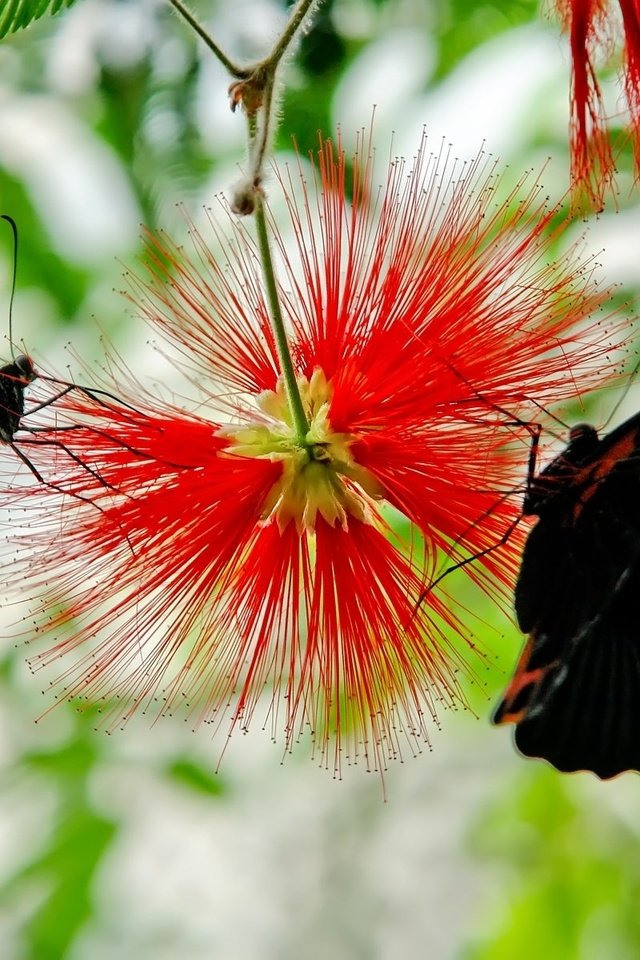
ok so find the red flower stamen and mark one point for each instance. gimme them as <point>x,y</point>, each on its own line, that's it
<point>592,30</point>
<point>237,559</point>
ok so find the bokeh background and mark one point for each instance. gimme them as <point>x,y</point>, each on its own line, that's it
<point>132,845</point>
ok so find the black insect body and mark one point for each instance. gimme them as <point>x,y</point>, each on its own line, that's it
<point>575,696</point>
<point>14,378</point>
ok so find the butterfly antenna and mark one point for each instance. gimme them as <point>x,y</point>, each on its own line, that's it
<point>12,224</point>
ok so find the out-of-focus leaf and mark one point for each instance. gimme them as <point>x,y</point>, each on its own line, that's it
<point>65,865</point>
<point>39,264</point>
<point>68,865</point>
<point>571,875</point>
<point>197,778</point>
<point>462,26</point>
<point>15,14</point>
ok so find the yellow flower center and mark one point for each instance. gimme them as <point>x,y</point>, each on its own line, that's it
<point>319,474</point>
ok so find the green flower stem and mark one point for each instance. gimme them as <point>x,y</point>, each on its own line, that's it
<point>268,68</point>
<point>258,140</point>
<point>261,137</point>
<point>289,32</point>
<point>240,72</point>
<point>298,414</point>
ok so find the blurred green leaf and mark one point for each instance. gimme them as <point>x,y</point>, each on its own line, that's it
<point>464,26</point>
<point>15,14</point>
<point>62,870</point>
<point>572,873</point>
<point>197,778</point>
<point>67,867</point>
<point>39,264</point>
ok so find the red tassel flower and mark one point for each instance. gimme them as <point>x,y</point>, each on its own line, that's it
<point>593,27</point>
<point>203,556</point>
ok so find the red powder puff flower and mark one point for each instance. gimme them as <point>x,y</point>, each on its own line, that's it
<point>220,557</point>
<point>594,25</point>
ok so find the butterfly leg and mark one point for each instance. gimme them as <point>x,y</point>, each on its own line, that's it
<point>69,453</point>
<point>69,493</point>
<point>534,430</point>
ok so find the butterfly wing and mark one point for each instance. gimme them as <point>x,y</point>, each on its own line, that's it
<point>575,696</point>
<point>585,714</point>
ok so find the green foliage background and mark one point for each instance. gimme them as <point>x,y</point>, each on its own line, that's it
<point>132,846</point>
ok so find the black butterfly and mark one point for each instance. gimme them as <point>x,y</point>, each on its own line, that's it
<point>14,378</point>
<point>575,695</point>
